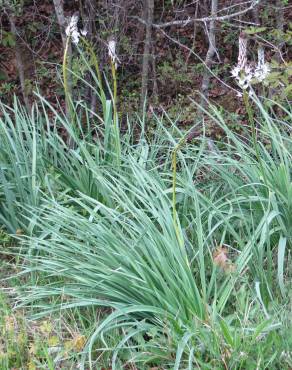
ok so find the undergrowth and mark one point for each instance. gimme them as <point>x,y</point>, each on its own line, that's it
<point>155,273</point>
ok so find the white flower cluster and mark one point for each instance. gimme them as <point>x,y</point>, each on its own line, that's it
<point>112,52</point>
<point>72,30</point>
<point>246,74</point>
<point>243,75</point>
<point>261,72</point>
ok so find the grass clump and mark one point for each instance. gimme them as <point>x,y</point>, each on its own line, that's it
<point>191,273</point>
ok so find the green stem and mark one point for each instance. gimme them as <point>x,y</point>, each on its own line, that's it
<point>250,115</point>
<point>65,76</point>
<point>115,113</point>
<point>95,62</point>
<point>174,171</point>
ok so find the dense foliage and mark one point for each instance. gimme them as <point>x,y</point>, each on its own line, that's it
<point>130,241</point>
<point>208,288</point>
<point>182,52</point>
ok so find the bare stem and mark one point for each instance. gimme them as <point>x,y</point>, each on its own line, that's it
<point>115,113</point>
<point>90,49</point>
<point>174,170</point>
<point>250,115</point>
<point>65,76</point>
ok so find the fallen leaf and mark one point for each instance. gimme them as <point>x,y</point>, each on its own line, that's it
<point>79,342</point>
<point>53,341</point>
<point>220,257</point>
<point>46,327</point>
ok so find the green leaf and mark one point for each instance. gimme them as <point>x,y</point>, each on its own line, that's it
<point>260,329</point>
<point>3,75</point>
<point>254,30</point>
<point>8,39</point>
<point>281,262</point>
<point>226,333</point>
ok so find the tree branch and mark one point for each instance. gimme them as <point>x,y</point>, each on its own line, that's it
<point>20,62</point>
<point>199,58</point>
<point>149,4</point>
<point>211,18</point>
<point>210,53</point>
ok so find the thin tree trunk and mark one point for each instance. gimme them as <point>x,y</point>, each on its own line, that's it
<point>140,31</point>
<point>19,61</point>
<point>280,26</point>
<point>208,63</point>
<point>255,15</point>
<point>194,33</point>
<point>210,53</point>
<point>58,4</point>
<point>149,5</point>
<point>88,13</point>
<point>61,19</point>
<point>155,86</point>
<point>279,14</point>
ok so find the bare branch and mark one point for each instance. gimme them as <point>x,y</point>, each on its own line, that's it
<point>149,4</point>
<point>58,4</point>
<point>188,21</point>
<point>211,51</point>
<point>198,57</point>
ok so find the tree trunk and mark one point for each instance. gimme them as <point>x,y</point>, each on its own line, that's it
<point>149,5</point>
<point>155,86</point>
<point>88,13</point>
<point>194,33</point>
<point>61,19</point>
<point>210,53</point>
<point>280,27</point>
<point>20,62</point>
<point>58,4</point>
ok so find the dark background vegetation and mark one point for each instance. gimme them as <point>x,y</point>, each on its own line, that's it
<point>146,251</point>
<point>168,63</point>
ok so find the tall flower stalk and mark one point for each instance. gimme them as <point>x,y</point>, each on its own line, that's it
<point>114,64</point>
<point>174,170</point>
<point>72,34</point>
<point>65,78</point>
<point>246,76</point>
<point>95,62</point>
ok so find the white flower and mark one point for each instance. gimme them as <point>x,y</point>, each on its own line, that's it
<point>72,26</point>
<point>263,69</point>
<point>75,37</point>
<point>112,52</point>
<point>248,71</point>
<point>72,30</point>
<point>243,82</point>
<point>262,72</point>
<point>245,74</point>
<point>84,32</point>
<point>235,71</point>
